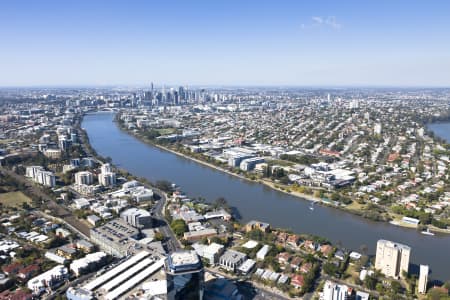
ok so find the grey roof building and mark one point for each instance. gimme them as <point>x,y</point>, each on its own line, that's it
<point>232,259</point>
<point>115,237</point>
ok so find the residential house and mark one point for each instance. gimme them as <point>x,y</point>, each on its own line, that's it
<point>306,267</point>
<point>66,251</point>
<point>297,281</point>
<point>12,269</point>
<point>326,250</point>
<point>293,241</point>
<point>296,262</point>
<point>283,258</point>
<point>26,273</point>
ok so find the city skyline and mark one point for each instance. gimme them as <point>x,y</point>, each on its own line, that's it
<point>225,43</point>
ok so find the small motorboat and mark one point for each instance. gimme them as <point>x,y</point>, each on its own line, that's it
<point>427,232</point>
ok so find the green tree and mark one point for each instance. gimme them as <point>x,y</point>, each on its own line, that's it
<point>370,282</point>
<point>164,185</point>
<point>179,227</point>
<point>159,236</point>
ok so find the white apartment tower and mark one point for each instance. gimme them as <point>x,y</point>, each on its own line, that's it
<point>392,258</point>
<point>39,175</point>
<point>84,177</point>
<point>107,179</point>
<point>377,128</point>
<point>105,168</point>
<point>423,279</point>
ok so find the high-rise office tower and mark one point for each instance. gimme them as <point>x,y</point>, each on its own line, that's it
<point>185,276</point>
<point>392,258</point>
<point>181,94</point>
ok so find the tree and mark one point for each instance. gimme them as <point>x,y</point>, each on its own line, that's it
<point>220,202</point>
<point>159,236</point>
<point>164,185</point>
<point>370,282</point>
<point>330,268</point>
<point>255,234</point>
<point>396,287</point>
<point>179,227</point>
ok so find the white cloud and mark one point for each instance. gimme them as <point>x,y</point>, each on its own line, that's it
<point>319,21</point>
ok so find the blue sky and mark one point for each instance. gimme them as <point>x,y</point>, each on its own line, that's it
<point>225,42</point>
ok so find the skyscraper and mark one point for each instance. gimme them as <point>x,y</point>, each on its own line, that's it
<point>392,258</point>
<point>181,94</point>
<point>185,276</point>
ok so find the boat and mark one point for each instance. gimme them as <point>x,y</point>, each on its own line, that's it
<point>427,232</point>
<point>311,207</point>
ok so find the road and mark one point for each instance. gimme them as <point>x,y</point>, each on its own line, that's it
<point>171,243</point>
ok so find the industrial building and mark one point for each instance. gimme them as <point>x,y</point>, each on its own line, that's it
<point>250,163</point>
<point>209,252</point>
<point>232,259</point>
<point>137,217</point>
<point>115,237</point>
<point>121,279</point>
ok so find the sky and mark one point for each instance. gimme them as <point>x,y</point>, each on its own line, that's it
<point>225,42</point>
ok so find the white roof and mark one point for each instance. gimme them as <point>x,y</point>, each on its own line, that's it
<point>135,212</point>
<point>135,280</point>
<point>355,255</point>
<point>85,261</point>
<point>263,251</point>
<point>250,244</point>
<point>155,287</point>
<point>213,248</point>
<point>126,275</point>
<point>112,273</point>
<point>247,265</point>
<point>39,280</point>
<point>181,258</point>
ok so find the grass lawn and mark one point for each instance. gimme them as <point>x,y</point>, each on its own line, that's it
<point>355,206</point>
<point>13,199</point>
<point>166,131</point>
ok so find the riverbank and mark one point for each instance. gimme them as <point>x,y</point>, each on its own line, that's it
<point>351,209</point>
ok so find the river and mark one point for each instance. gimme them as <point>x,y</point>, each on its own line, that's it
<point>256,201</point>
<point>441,129</point>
